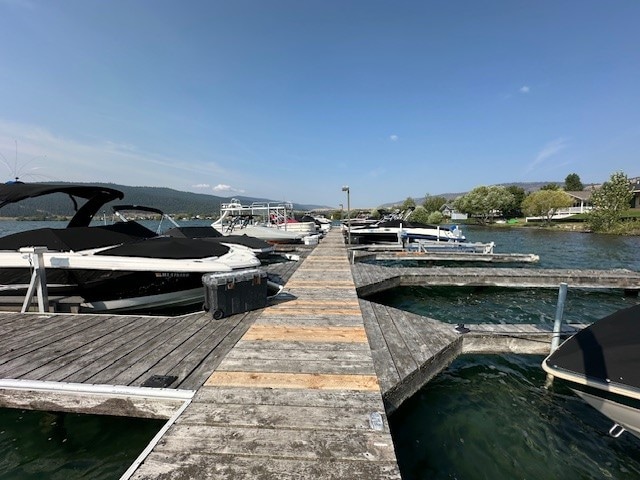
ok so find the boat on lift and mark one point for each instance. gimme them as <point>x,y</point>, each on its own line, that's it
<point>271,222</point>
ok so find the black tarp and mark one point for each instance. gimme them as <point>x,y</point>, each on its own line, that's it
<point>76,238</point>
<point>607,350</point>
<point>169,248</point>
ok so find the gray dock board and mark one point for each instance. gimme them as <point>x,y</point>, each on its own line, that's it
<point>72,358</point>
<point>290,392</point>
<point>375,278</point>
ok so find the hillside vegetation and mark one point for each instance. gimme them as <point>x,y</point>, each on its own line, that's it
<point>168,200</point>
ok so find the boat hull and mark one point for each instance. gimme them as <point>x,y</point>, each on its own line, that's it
<point>616,407</point>
<point>602,365</point>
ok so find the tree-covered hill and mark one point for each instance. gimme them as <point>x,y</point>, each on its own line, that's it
<point>168,200</point>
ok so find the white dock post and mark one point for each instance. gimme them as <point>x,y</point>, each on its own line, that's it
<point>557,326</point>
<point>38,280</point>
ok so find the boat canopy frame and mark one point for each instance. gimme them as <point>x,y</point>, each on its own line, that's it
<point>96,197</point>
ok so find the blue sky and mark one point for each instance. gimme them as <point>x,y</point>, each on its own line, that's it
<point>291,100</point>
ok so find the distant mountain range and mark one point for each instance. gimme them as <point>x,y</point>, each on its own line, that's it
<point>168,200</point>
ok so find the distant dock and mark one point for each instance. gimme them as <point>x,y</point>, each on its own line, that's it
<point>370,279</point>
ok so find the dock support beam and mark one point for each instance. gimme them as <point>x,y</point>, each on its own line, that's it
<point>38,280</point>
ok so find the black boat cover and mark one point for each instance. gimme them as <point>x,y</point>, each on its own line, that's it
<point>193,232</point>
<point>211,234</point>
<point>607,350</point>
<point>169,248</point>
<point>408,224</point>
<point>76,238</point>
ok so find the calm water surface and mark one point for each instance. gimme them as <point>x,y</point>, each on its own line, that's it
<point>486,417</point>
<point>489,417</point>
<point>42,445</point>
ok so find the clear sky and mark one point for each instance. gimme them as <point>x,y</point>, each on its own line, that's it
<point>291,100</point>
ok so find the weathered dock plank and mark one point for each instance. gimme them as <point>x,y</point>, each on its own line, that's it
<point>433,345</point>
<point>371,279</point>
<point>297,395</point>
<point>448,257</point>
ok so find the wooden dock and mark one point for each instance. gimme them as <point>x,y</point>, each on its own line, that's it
<point>409,349</point>
<point>372,279</point>
<point>397,254</point>
<point>297,397</point>
<point>81,363</point>
<point>300,389</point>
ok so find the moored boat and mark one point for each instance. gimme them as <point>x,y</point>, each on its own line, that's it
<point>400,230</point>
<point>119,266</point>
<point>601,363</point>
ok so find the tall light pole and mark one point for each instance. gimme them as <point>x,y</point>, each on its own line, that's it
<point>346,189</point>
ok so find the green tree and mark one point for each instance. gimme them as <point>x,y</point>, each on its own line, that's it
<point>550,186</point>
<point>419,215</point>
<point>609,201</point>
<point>435,217</point>
<point>375,214</point>
<point>572,183</point>
<point>433,204</point>
<point>545,203</point>
<point>514,210</point>
<point>484,202</point>
<point>408,204</point>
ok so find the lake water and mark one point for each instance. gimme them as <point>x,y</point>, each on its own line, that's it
<point>489,416</point>
<point>486,417</point>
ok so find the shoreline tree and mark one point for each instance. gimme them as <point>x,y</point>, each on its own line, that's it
<point>484,202</point>
<point>609,202</point>
<point>545,203</point>
<point>572,183</point>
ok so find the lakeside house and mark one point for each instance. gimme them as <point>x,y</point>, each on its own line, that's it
<point>449,212</point>
<point>635,189</point>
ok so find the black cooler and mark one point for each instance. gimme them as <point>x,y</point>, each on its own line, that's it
<point>234,292</point>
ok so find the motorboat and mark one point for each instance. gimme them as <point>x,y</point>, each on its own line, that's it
<point>126,213</point>
<point>601,363</point>
<point>271,222</point>
<point>323,224</point>
<point>403,231</point>
<point>122,266</point>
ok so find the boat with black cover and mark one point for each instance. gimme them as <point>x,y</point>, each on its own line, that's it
<point>601,363</point>
<point>123,266</point>
<point>207,233</point>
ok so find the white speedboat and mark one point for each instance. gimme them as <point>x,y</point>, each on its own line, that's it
<point>601,363</point>
<point>400,230</point>
<point>119,266</point>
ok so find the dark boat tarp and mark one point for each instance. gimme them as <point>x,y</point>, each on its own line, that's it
<point>169,248</point>
<point>76,238</point>
<point>609,349</point>
<point>213,235</point>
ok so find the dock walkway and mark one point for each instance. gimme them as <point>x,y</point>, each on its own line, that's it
<point>297,397</point>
